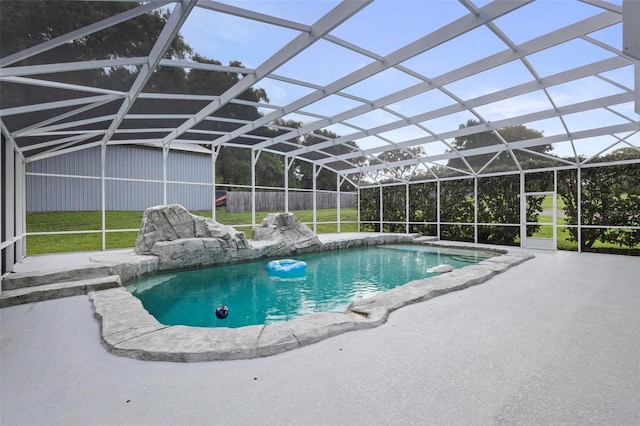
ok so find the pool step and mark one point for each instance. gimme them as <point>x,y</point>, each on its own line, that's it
<point>32,279</point>
<point>56,290</point>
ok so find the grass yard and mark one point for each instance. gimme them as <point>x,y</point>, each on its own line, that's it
<point>564,238</point>
<point>81,222</point>
<point>547,203</point>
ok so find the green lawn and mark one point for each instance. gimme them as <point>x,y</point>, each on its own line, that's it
<point>564,242</point>
<point>547,203</point>
<point>115,220</point>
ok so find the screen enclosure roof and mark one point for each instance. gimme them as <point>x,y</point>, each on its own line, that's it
<point>380,90</point>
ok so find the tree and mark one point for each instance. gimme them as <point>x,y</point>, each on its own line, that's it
<point>370,208</point>
<point>303,170</point>
<point>456,207</point>
<point>233,167</point>
<point>394,197</point>
<point>484,139</point>
<point>499,203</point>
<point>395,155</point>
<point>423,207</point>
<point>26,24</point>
<point>498,197</point>
<point>610,196</point>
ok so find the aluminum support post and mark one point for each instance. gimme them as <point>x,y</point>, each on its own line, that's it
<point>9,203</point>
<point>579,195</point>
<point>381,209</point>
<point>338,185</point>
<point>406,208</point>
<point>103,200</point>
<point>214,157</point>
<point>438,209</point>
<point>475,209</point>
<point>523,212</point>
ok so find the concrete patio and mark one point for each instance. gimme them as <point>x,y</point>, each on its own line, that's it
<point>553,340</point>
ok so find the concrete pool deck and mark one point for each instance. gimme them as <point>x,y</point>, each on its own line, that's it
<point>555,340</point>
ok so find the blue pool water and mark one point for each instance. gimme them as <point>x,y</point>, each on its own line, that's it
<point>333,280</point>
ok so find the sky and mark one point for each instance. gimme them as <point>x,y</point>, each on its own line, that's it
<point>386,25</point>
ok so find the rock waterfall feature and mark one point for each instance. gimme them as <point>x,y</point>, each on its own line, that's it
<point>183,240</point>
<point>286,234</point>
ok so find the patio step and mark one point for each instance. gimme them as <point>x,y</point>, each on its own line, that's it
<point>18,280</point>
<point>56,290</point>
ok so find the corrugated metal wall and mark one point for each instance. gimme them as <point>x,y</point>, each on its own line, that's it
<point>133,162</point>
<point>81,163</point>
<point>193,197</point>
<point>82,191</point>
<point>49,193</point>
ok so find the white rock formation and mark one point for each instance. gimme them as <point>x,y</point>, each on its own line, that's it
<point>287,235</point>
<point>182,240</point>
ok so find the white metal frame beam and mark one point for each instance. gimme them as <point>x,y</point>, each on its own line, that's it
<point>174,23</point>
<point>328,22</point>
<point>440,36</point>
<point>496,125</point>
<point>602,131</point>
<point>533,46</point>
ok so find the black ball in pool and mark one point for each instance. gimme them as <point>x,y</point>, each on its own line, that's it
<point>222,312</point>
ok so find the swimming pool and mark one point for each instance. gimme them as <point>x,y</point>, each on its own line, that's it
<point>253,296</point>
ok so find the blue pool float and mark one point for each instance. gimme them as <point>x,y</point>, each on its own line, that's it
<point>287,267</point>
